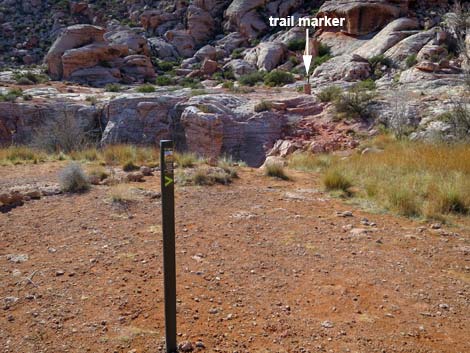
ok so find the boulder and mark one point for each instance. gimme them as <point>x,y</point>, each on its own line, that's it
<point>138,68</point>
<point>139,120</point>
<point>240,67</point>
<point>242,16</point>
<point>96,76</point>
<point>431,52</point>
<point>73,37</point>
<point>345,67</point>
<point>393,33</point>
<point>363,16</point>
<point>136,43</point>
<point>232,41</point>
<point>282,8</point>
<point>182,41</point>
<point>341,43</point>
<point>267,56</point>
<point>162,49</point>
<point>283,148</point>
<point>201,25</point>
<point>152,19</point>
<point>208,67</point>
<point>206,52</point>
<point>203,132</point>
<point>89,56</point>
<point>409,46</point>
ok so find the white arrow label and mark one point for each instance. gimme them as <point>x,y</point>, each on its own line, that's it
<point>307,56</point>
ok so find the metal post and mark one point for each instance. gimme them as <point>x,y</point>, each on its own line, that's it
<point>169,262</point>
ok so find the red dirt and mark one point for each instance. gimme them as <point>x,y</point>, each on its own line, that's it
<point>263,266</point>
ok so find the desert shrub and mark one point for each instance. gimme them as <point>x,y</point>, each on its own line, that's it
<point>92,100</point>
<point>411,60</point>
<point>228,85</point>
<point>324,50</point>
<point>237,53</point>
<point>11,95</point>
<point>276,170</point>
<point>164,80</point>
<point>97,171</point>
<point>252,79</point>
<point>354,104</point>
<point>401,200</point>
<point>319,60</point>
<point>73,179</point>
<point>63,133</point>
<point>146,89</point>
<point>278,78</point>
<point>329,94</point>
<point>118,154</point>
<point>189,82</point>
<point>209,176</point>
<point>377,60</point>
<point>129,166</point>
<point>29,78</point>
<point>459,120</point>
<point>296,44</point>
<point>165,65</point>
<point>335,180</point>
<point>263,106</point>
<point>228,165</point>
<point>113,87</point>
<point>198,92</point>
<point>366,85</point>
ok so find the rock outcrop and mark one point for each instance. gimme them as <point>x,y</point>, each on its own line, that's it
<point>267,56</point>
<point>82,54</point>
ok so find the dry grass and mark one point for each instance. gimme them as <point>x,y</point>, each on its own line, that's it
<point>411,179</point>
<point>187,160</point>
<point>122,194</point>
<point>276,170</point>
<point>73,179</point>
<point>21,154</point>
<point>309,162</point>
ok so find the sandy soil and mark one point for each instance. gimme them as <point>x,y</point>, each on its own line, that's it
<point>263,266</point>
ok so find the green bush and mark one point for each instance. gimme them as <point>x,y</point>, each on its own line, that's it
<point>366,85</point>
<point>278,78</point>
<point>324,50</point>
<point>112,87</point>
<point>329,94</point>
<point>188,82</point>
<point>28,78</point>
<point>252,79</point>
<point>165,65</point>
<point>129,166</point>
<point>411,60</point>
<point>146,89</point>
<point>353,104</point>
<point>237,53</point>
<point>296,44</point>
<point>164,81</point>
<point>377,60</point>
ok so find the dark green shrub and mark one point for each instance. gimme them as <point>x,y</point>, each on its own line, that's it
<point>296,44</point>
<point>329,94</point>
<point>411,60</point>
<point>278,78</point>
<point>252,79</point>
<point>112,87</point>
<point>164,81</point>
<point>146,89</point>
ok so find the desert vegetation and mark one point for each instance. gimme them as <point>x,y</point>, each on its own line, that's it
<point>411,179</point>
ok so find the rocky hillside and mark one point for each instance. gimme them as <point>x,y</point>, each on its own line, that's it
<point>398,64</point>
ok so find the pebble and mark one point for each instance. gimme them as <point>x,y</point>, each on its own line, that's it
<point>186,347</point>
<point>60,273</point>
<point>327,324</point>
<point>345,214</point>
<point>17,258</point>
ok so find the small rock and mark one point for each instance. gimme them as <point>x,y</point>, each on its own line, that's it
<point>444,306</point>
<point>59,273</point>
<point>199,344</point>
<point>345,214</point>
<point>146,171</point>
<point>186,347</point>
<point>17,258</point>
<point>136,177</point>
<point>436,226</point>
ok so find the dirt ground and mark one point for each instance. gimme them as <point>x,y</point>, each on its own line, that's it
<point>263,266</point>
